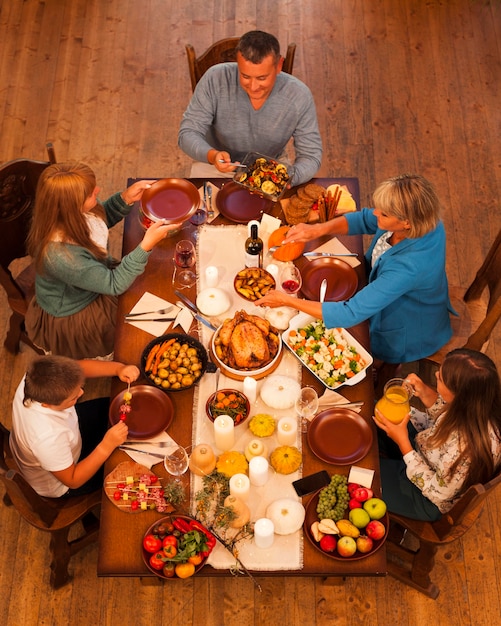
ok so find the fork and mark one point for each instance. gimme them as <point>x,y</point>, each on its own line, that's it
<point>159,312</point>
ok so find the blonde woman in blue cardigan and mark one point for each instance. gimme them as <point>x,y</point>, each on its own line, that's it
<point>77,281</point>
<point>406,299</point>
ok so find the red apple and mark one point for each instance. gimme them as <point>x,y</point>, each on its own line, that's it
<point>328,543</point>
<point>375,529</point>
<point>346,546</point>
<point>362,494</point>
<point>352,487</point>
<point>364,544</point>
<point>354,504</point>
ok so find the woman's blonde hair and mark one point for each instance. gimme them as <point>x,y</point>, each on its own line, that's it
<point>61,192</point>
<point>409,197</point>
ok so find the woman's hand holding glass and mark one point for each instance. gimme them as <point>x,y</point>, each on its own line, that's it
<point>156,233</point>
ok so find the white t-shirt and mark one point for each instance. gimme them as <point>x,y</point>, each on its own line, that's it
<point>43,441</point>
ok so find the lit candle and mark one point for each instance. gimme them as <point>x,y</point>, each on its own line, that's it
<point>240,486</point>
<point>287,431</point>
<point>264,532</point>
<point>224,434</point>
<point>258,471</point>
<point>250,388</point>
<point>211,276</point>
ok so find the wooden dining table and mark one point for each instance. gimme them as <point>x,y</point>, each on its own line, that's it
<point>121,533</point>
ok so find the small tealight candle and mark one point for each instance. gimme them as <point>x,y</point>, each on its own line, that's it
<point>264,531</point>
<point>240,486</point>
<point>224,432</point>
<point>287,431</point>
<point>250,388</point>
<point>211,276</point>
<point>258,471</point>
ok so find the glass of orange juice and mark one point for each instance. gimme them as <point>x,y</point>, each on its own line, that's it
<point>394,404</point>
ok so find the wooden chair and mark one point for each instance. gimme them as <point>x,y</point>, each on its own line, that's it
<point>18,182</point>
<point>53,515</point>
<point>221,52</point>
<point>413,567</point>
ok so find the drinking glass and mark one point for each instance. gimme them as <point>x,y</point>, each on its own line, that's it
<point>306,406</point>
<point>176,461</point>
<point>199,217</point>
<point>184,259</point>
<point>290,279</point>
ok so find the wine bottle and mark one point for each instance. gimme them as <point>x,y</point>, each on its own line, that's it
<point>254,249</point>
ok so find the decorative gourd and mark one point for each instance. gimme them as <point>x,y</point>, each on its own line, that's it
<point>280,392</point>
<point>213,301</point>
<point>280,316</point>
<point>262,425</point>
<point>241,510</point>
<point>231,463</point>
<point>287,515</point>
<point>288,251</point>
<point>202,460</point>
<point>286,459</point>
<point>255,448</point>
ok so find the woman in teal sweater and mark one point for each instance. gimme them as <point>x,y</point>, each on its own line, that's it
<point>77,283</point>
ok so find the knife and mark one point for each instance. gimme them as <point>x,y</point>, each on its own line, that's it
<point>192,307</point>
<point>158,456</point>
<point>148,319</point>
<point>209,196</point>
<point>330,254</point>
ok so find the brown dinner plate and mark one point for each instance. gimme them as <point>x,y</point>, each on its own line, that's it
<point>339,436</point>
<point>239,205</point>
<point>170,199</point>
<point>312,516</point>
<point>342,280</point>
<point>151,411</point>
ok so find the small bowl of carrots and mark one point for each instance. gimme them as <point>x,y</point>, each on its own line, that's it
<point>228,402</point>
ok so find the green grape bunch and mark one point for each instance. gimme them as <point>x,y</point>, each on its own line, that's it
<point>333,499</point>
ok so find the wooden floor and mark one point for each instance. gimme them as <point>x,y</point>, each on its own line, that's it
<point>400,86</point>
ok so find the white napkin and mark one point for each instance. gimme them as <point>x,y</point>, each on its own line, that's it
<point>148,445</point>
<point>330,398</point>
<point>268,225</point>
<point>213,203</point>
<point>336,247</point>
<point>150,302</point>
<point>184,319</point>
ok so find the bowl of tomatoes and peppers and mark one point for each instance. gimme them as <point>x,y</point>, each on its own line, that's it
<point>177,546</point>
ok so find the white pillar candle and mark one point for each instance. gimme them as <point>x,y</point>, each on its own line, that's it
<point>264,530</point>
<point>258,471</point>
<point>224,433</point>
<point>211,276</point>
<point>287,431</point>
<point>273,270</point>
<point>240,486</point>
<point>250,388</point>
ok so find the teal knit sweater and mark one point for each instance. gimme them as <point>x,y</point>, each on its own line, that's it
<point>72,278</point>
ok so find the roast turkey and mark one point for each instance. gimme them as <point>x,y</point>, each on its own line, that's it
<point>246,342</point>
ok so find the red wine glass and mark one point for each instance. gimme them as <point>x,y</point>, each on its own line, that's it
<point>184,259</point>
<point>290,279</point>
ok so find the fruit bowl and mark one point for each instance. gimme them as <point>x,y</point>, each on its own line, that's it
<point>312,516</point>
<point>228,402</point>
<point>159,529</point>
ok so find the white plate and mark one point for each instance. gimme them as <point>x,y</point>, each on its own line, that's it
<point>300,321</point>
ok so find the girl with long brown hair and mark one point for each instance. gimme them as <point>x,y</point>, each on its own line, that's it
<point>77,281</point>
<point>456,443</point>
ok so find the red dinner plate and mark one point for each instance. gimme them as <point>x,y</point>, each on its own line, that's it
<point>312,516</point>
<point>239,205</point>
<point>151,411</point>
<point>339,436</point>
<point>342,280</point>
<point>170,199</point>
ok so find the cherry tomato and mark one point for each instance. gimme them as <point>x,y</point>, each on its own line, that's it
<point>196,559</point>
<point>156,560</point>
<point>170,551</point>
<point>169,570</point>
<point>151,543</point>
<point>134,505</point>
<point>117,495</point>
<point>169,527</point>
<point>170,540</point>
<point>185,570</point>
